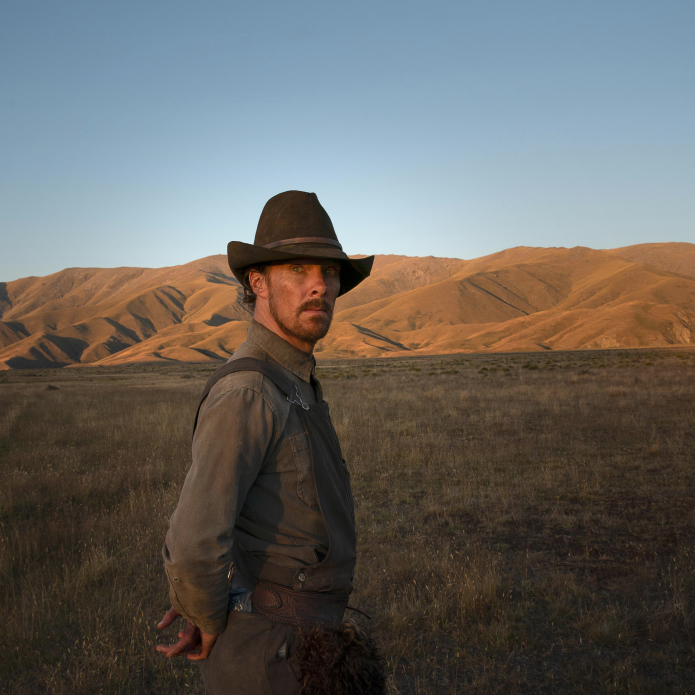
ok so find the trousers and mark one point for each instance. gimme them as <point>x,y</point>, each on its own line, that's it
<point>253,656</point>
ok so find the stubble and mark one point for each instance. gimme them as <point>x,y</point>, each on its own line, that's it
<point>305,328</point>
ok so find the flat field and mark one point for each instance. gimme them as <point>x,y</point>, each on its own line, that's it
<point>526,521</point>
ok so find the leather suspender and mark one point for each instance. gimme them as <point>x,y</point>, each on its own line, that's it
<point>247,364</point>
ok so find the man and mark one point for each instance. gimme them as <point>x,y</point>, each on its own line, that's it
<point>268,492</point>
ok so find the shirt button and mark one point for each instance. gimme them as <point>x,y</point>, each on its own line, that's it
<point>301,576</point>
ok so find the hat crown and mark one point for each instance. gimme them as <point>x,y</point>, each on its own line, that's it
<point>293,215</point>
<point>294,225</point>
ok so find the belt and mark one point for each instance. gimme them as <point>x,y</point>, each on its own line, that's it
<point>298,608</point>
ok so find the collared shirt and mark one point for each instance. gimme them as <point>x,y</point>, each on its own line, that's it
<point>250,482</point>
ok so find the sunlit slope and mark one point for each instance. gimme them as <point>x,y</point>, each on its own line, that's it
<point>484,292</point>
<point>519,299</point>
<point>393,275</point>
<point>185,342</point>
<point>530,299</point>
<point>184,313</point>
<point>88,315</point>
<point>676,257</point>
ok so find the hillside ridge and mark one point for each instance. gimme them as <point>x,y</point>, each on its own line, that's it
<point>522,298</point>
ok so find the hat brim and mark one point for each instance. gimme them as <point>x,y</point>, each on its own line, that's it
<point>353,270</point>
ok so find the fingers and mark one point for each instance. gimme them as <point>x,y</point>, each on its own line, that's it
<point>189,640</point>
<point>206,644</point>
<point>168,619</point>
<point>183,646</point>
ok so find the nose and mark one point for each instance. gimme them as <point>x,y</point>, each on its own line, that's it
<point>318,285</point>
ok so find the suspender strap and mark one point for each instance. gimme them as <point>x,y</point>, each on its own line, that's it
<point>247,364</point>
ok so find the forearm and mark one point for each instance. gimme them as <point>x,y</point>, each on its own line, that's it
<point>234,431</point>
<point>197,592</point>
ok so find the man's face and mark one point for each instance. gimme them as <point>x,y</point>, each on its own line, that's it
<point>301,296</point>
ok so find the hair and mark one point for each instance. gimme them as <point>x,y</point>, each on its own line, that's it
<point>339,661</point>
<point>249,294</point>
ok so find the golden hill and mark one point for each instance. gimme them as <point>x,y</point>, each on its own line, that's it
<point>518,299</point>
<point>676,257</point>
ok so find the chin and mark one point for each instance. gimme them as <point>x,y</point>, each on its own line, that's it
<point>313,329</point>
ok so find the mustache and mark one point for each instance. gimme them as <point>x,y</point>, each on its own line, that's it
<point>318,303</point>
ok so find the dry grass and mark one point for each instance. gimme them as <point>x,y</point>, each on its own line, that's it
<point>527,522</point>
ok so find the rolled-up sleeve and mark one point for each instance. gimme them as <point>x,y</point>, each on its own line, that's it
<point>236,428</point>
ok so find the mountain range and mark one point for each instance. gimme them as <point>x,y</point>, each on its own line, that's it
<point>520,299</point>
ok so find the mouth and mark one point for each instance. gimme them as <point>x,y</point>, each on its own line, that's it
<point>319,314</point>
<point>317,309</point>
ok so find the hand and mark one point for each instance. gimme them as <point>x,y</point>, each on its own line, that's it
<point>190,638</point>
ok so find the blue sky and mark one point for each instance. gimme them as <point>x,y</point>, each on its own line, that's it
<point>152,133</point>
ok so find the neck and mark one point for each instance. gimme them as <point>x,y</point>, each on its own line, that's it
<point>262,315</point>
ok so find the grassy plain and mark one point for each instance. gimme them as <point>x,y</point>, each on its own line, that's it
<point>527,521</point>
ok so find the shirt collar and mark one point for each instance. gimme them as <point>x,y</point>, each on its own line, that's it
<point>281,351</point>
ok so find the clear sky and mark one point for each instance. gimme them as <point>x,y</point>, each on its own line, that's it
<point>152,133</point>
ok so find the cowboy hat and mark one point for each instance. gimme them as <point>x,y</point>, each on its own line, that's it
<point>293,224</point>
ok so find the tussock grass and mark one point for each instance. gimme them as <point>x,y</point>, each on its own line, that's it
<point>526,522</point>
<point>90,474</point>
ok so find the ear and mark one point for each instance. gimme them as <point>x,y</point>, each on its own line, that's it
<point>258,283</point>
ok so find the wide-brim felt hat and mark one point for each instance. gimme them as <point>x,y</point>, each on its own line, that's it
<point>294,224</point>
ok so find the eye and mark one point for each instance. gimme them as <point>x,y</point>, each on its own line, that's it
<point>332,270</point>
<point>296,268</point>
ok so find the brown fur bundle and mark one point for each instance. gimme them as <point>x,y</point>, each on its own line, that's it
<point>339,661</point>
